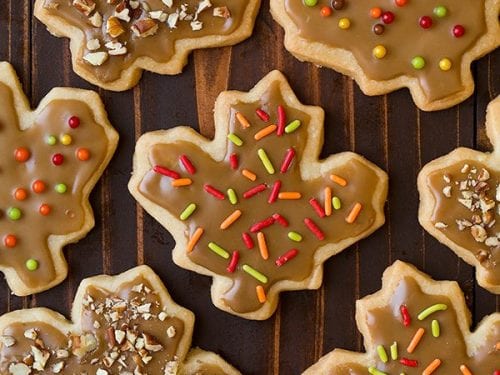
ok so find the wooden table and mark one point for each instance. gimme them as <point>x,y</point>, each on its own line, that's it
<point>388,130</point>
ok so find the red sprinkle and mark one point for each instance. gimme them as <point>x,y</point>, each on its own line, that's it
<point>290,254</point>
<point>408,362</point>
<point>57,159</point>
<point>234,261</point>
<point>166,172</point>
<point>248,241</point>
<point>264,116</point>
<point>317,207</point>
<point>257,227</point>
<point>274,192</point>
<point>233,160</point>
<point>74,122</point>
<point>406,315</point>
<point>280,220</point>
<point>187,164</point>
<point>388,17</point>
<point>458,31</point>
<point>425,22</point>
<point>314,229</point>
<point>290,154</point>
<point>281,120</point>
<point>255,190</point>
<point>213,191</point>
<point>497,372</point>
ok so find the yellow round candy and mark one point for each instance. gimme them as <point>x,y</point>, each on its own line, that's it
<point>445,64</point>
<point>66,139</point>
<point>379,51</point>
<point>344,23</point>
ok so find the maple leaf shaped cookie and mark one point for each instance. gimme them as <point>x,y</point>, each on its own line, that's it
<point>427,45</point>
<point>125,324</point>
<point>254,208</point>
<point>460,203</point>
<point>52,158</point>
<point>113,41</point>
<point>416,325</point>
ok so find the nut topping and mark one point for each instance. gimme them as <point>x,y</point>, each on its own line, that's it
<point>114,27</point>
<point>84,6</point>
<point>145,27</point>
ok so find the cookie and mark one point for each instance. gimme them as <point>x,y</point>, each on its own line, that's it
<point>416,325</point>
<point>255,208</point>
<point>427,46</point>
<point>52,158</point>
<point>125,324</point>
<point>113,41</point>
<point>460,203</point>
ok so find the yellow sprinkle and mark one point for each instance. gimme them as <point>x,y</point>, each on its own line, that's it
<point>379,51</point>
<point>344,23</point>
<point>66,139</point>
<point>445,64</point>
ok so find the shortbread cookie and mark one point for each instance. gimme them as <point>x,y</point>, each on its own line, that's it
<point>427,46</point>
<point>416,325</point>
<point>112,41</point>
<point>460,203</point>
<point>125,324</point>
<point>255,208</point>
<point>52,158</point>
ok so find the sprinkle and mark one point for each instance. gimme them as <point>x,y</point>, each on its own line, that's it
<point>188,164</point>
<point>465,370</point>
<point>50,140</point>
<point>406,315</point>
<point>432,367</point>
<point>235,139</point>
<point>66,139</point>
<point>188,211</point>
<point>374,371</point>
<point>281,120</point>
<point>261,294</point>
<point>10,241</point>
<point>268,130</point>
<point>294,236</point>
<point>289,195</point>
<point>445,64</point>
<point>61,188</point>
<point>242,120</point>
<point>328,201</point>
<point>289,255</point>
<point>280,220</point>
<point>264,251</point>
<point>291,127</point>
<point>230,219</point>
<point>38,186</point>
<point>337,204</point>
<point>317,207</point>
<point>31,265</point>
<point>232,196</point>
<point>418,62</point>
<point>57,159</point>
<point>287,161</point>
<point>74,122</point>
<point>83,154</point>
<point>325,11</point>
<point>274,192</point>
<point>458,31</point>
<point>436,330</point>
<point>265,161</point>
<point>382,354</point>
<point>234,262</point>
<point>194,239</point>
<point>379,51</point>
<point>247,240</point>
<point>233,161</point>
<point>353,215</point>
<point>394,351</point>
<point>314,229</point>
<point>338,180</point>
<point>22,154</point>
<point>440,11</point>
<point>218,250</point>
<point>250,175</point>
<point>213,191</point>
<point>415,340</point>
<point>255,190</point>
<point>20,194</point>
<point>408,362</point>
<point>264,116</point>
<point>166,172</point>
<point>44,209</point>
<point>431,310</point>
<point>262,224</point>
<point>344,23</point>
<point>181,182</point>
<point>255,274</point>
<point>375,12</point>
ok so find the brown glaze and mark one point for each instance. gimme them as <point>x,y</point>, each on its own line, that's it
<point>160,47</point>
<point>403,39</point>
<point>67,214</point>
<point>448,210</point>
<point>241,297</point>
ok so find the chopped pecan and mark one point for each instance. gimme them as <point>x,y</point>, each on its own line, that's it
<point>114,27</point>
<point>145,27</point>
<point>84,6</point>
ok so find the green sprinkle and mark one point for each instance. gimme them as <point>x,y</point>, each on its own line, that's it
<point>31,265</point>
<point>311,3</point>
<point>218,250</point>
<point>255,274</point>
<point>418,62</point>
<point>436,330</point>
<point>382,354</point>
<point>265,160</point>
<point>232,196</point>
<point>375,371</point>
<point>14,213</point>
<point>188,211</point>
<point>235,139</point>
<point>294,236</point>
<point>440,11</point>
<point>51,140</point>
<point>431,310</point>
<point>291,127</point>
<point>337,204</point>
<point>61,188</point>
<point>394,351</point>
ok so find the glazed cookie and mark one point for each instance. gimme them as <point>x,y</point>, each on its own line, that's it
<point>427,46</point>
<point>125,324</point>
<point>52,158</point>
<point>460,203</point>
<point>113,41</point>
<point>255,208</point>
<point>416,325</point>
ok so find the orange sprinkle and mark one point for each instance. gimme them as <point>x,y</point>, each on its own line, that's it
<point>326,11</point>
<point>289,195</point>
<point>338,180</point>
<point>242,119</point>
<point>20,194</point>
<point>230,219</point>
<point>10,240</point>
<point>250,175</point>
<point>264,132</point>
<point>415,340</point>
<point>375,12</point>
<point>44,209</point>
<point>353,215</point>
<point>181,182</point>
<point>432,367</point>
<point>264,252</point>
<point>328,201</point>
<point>83,154</point>
<point>22,154</point>
<point>194,239</point>
<point>497,346</point>
<point>261,294</point>
<point>465,370</point>
<point>38,186</point>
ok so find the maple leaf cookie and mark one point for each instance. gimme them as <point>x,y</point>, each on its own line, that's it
<point>125,324</point>
<point>255,208</point>
<point>416,325</point>
<point>460,203</point>
<point>52,158</point>
<point>113,41</point>
<point>426,45</point>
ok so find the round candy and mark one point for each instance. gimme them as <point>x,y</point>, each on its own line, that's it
<point>74,122</point>
<point>61,188</point>
<point>83,154</point>
<point>378,29</point>
<point>338,4</point>
<point>50,140</point>
<point>14,213</point>
<point>344,23</point>
<point>388,17</point>
<point>445,64</point>
<point>31,265</point>
<point>20,194</point>
<point>66,139</point>
<point>38,186</point>
<point>22,154</point>
<point>10,241</point>
<point>418,62</point>
<point>401,3</point>
<point>311,3</point>
<point>375,12</point>
<point>379,51</point>
<point>57,159</point>
<point>440,11</point>
<point>326,11</point>
<point>458,31</point>
<point>44,209</point>
<point>425,22</point>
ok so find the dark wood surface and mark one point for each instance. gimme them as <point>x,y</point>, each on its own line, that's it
<point>388,130</point>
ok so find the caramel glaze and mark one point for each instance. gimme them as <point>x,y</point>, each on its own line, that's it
<point>67,214</point>
<point>404,38</point>
<point>241,297</point>
<point>159,47</point>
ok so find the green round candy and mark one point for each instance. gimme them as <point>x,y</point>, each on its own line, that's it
<point>440,11</point>
<point>14,213</point>
<point>51,140</point>
<point>31,265</point>
<point>61,188</point>
<point>311,3</point>
<point>418,62</point>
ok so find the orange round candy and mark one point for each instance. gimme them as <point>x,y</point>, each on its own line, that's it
<point>20,194</point>
<point>22,154</point>
<point>83,154</point>
<point>10,240</point>
<point>401,3</point>
<point>375,12</point>
<point>326,11</point>
<point>38,186</point>
<point>45,209</point>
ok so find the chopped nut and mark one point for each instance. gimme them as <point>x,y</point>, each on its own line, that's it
<point>57,367</point>
<point>487,204</point>
<point>93,44</point>
<point>479,233</point>
<point>116,48</point>
<point>492,242</point>
<point>96,58</point>
<point>19,369</point>
<point>151,344</point>
<point>40,358</point>
<point>497,197</point>
<point>196,25</point>
<point>114,27</point>
<point>86,343</point>
<point>172,20</point>
<point>203,5</point>
<point>119,336</point>
<point>134,4</point>
<point>466,202</point>
<point>482,256</point>
<point>465,168</point>
<point>162,316</point>
<point>145,27</point>
<point>8,341</point>
<point>171,331</point>
<point>168,3</point>
<point>447,191</point>
<point>101,371</point>
<point>171,368</point>
<point>222,12</point>
<point>84,6</point>
<point>158,15</point>
<point>144,308</point>
<point>124,14</point>
<point>31,334</point>
<point>96,19</point>
<point>484,175</point>
<point>138,288</point>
